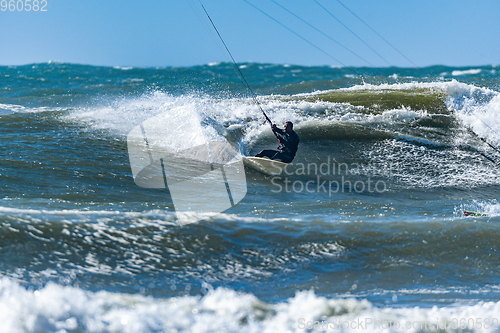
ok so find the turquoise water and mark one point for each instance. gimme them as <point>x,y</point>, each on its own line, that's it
<point>366,224</point>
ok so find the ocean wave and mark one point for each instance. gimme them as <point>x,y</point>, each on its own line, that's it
<point>436,117</point>
<point>393,102</point>
<point>64,308</point>
<point>140,219</point>
<point>6,109</point>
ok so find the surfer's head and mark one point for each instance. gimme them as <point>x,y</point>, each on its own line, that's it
<point>288,127</point>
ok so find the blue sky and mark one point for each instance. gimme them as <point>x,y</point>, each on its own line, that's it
<point>176,33</point>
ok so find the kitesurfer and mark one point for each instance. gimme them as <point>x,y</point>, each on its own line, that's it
<point>289,142</point>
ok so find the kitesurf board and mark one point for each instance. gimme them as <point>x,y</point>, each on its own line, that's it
<point>265,165</point>
<point>471,213</point>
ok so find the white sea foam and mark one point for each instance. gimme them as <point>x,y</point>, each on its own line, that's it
<point>452,86</point>
<point>63,308</point>
<point>93,218</point>
<point>466,72</point>
<point>216,116</point>
<point>476,107</point>
<point>140,219</point>
<point>120,116</point>
<point>11,108</point>
<point>123,68</point>
<point>6,109</point>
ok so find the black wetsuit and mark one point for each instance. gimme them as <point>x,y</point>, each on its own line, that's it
<point>287,148</point>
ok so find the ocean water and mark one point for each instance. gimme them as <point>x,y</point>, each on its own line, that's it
<point>364,232</point>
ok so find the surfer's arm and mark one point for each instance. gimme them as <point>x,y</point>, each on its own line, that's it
<point>278,132</point>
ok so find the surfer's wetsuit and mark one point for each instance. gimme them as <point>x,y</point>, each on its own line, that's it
<point>289,142</point>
